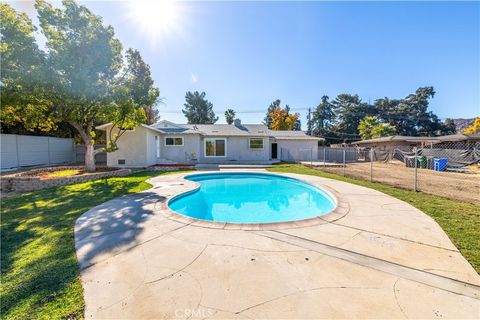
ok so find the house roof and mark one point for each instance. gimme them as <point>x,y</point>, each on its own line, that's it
<point>257,130</point>
<point>452,137</point>
<point>291,135</point>
<point>229,130</point>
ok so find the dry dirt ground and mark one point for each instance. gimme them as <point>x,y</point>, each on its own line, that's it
<point>460,186</point>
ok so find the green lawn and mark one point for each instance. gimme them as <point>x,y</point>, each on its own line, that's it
<point>39,270</point>
<point>460,220</point>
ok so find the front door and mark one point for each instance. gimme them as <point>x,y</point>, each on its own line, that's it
<point>274,151</point>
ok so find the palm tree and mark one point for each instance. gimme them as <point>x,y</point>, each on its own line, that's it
<point>229,116</point>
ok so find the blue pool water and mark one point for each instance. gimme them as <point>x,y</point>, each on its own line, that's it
<point>251,198</point>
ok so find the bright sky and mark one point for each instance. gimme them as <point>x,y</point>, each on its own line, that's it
<point>245,55</point>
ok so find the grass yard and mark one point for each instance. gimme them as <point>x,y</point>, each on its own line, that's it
<point>459,220</point>
<point>39,270</point>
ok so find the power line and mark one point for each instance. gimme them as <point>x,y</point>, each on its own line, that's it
<point>382,115</point>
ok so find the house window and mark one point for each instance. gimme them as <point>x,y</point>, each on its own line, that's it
<point>256,144</point>
<point>215,147</point>
<point>174,141</point>
<point>157,145</point>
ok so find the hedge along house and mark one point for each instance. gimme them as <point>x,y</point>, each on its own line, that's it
<point>166,143</point>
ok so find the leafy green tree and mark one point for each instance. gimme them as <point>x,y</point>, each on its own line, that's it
<point>297,126</point>
<point>229,116</point>
<point>82,79</point>
<point>268,119</point>
<point>390,111</point>
<point>309,122</point>
<point>298,123</point>
<point>132,94</point>
<point>410,116</point>
<point>139,80</point>
<point>197,109</point>
<point>371,128</point>
<point>349,111</point>
<point>22,63</point>
<point>383,130</point>
<point>450,125</point>
<point>322,119</point>
<point>87,81</point>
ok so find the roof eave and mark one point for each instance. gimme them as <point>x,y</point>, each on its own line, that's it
<point>298,138</point>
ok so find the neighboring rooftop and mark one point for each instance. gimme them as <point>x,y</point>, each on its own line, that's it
<point>447,138</point>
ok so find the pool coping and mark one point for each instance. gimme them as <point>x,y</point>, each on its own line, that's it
<point>341,210</point>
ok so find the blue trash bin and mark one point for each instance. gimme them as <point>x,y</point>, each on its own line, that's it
<point>440,164</point>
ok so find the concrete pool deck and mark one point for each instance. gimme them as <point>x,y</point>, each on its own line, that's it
<point>379,258</point>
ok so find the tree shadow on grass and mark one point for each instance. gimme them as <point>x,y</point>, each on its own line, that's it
<point>39,268</point>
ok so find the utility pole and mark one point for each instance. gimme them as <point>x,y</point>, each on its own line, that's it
<point>309,122</point>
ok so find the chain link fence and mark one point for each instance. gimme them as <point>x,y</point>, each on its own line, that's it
<point>447,169</point>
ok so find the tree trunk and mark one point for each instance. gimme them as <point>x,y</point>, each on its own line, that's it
<point>89,149</point>
<point>89,156</point>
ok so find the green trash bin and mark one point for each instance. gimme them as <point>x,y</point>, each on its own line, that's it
<point>423,163</point>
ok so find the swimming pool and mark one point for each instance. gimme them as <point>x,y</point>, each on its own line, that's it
<point>251,198</point>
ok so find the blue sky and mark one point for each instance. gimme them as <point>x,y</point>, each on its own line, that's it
<point>246,54</point>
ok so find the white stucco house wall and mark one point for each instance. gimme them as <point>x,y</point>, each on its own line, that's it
<point>166,142</point>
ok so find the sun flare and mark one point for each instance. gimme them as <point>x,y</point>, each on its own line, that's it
<point>155,19</point>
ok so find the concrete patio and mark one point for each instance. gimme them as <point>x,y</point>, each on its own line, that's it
<point>377,257</point>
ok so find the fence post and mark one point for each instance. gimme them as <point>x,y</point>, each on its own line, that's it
<point>344,165</point>
<point>415,171</point>
<point>371,164</point>
<point>324,157</point>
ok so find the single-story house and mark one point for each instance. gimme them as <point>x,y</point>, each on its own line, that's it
<point>167,142</point>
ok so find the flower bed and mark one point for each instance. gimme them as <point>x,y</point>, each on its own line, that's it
<point>173,167</point>
<point>48,177</point>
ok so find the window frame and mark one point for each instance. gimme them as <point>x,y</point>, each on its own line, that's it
<point>214,139</point>
<point>173,145</point>
<point>256,149</point>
